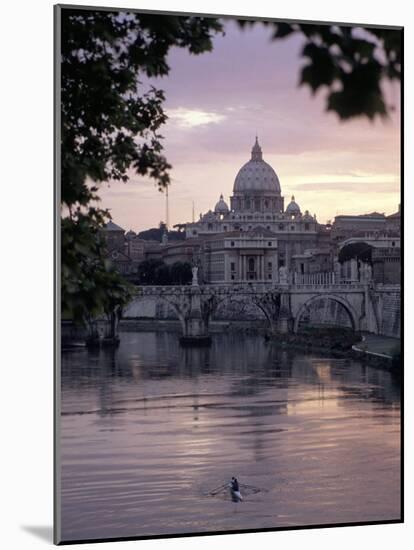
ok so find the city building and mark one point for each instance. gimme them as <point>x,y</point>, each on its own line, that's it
<point>125,251</point>
<point>256,236</point>
<point>364,224</point>
<point>385,256</point>
<point>393,222</point>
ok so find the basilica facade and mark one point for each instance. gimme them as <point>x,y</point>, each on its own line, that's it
<point>256,236</point>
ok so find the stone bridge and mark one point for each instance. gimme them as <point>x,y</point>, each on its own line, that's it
<point>284,305</point>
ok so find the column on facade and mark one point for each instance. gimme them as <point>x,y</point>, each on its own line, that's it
<point>354,269</point>
<point>240,267</point>
<point>262,262</point>
<point>276,267</point>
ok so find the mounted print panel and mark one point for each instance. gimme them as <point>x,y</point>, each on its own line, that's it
<point>228,274</point>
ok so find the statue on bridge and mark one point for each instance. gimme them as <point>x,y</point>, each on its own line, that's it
<point>283,275</point>
<point>195,276</point>
<point>365,272</point>
<point>337,270</point>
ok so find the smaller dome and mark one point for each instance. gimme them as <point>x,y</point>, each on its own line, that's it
<point>307,217</point>
<point>293,208</point>
<point>221,207</point>
<point>209,216</point>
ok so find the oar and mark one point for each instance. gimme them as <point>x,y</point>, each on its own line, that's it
<point>217,489</point>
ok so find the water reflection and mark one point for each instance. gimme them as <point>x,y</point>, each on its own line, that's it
<point>149,428</point>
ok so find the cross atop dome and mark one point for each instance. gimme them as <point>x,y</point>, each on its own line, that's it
<point>257,151</point>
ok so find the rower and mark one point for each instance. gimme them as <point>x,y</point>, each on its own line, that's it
<point>235,490</point>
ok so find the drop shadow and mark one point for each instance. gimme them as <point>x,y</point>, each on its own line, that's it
<point>43,532</point>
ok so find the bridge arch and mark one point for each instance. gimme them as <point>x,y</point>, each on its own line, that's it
<point>178,311</point>
<point>352,314</point>
<point>241,304</point>
<point>138,300</point>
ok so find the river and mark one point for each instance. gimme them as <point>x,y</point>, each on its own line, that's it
<point>150,429</point>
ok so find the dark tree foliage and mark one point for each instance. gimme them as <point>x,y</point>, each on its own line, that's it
<point>180,273</point>
<point>90,287</point>
<point>156,272</point>
<point>109,125</point>
<point>350,63</point>
<point>359,251</point>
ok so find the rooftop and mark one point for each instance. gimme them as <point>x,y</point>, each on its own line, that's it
<point>111,226</point>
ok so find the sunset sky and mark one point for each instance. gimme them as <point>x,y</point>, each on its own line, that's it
<point>216,103</point>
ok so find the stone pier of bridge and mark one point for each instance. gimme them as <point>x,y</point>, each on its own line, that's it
<point>195,325</point>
